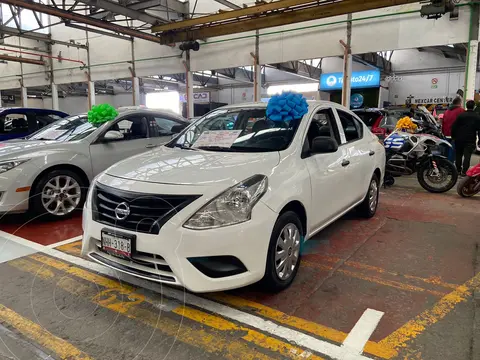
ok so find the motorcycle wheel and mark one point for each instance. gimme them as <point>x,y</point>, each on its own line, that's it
<point>389,180</point>
<point>466,186</point>
<point>439,182</point>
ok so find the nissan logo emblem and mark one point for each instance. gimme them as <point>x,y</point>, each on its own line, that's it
<point>122,211</point>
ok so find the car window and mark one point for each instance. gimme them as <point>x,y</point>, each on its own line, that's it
<point>350,125</point>
<point>323,124</point>
<point>13,123</point>
<point>368,117</point>
<point>69,129</point>
<point>165,125</point>
<point>132,127</point>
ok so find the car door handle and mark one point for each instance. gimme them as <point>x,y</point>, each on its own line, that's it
<point>345,163</point>
<point>371,153</point>
<point>149,146</point>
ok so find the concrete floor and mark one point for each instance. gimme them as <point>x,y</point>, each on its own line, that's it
<point>416,261</point>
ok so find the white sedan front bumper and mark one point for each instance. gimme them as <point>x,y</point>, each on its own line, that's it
<point>14,191</point>
<point>169,256</point>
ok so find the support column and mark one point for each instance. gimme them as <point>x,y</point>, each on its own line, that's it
<point>24,96</point>
<point>136,91</point>
<point>472,54</point>
<point>347,65</point>
<point>189,87</point>
<point>91,94</point>
<point>1,105</point>
<point>55,105</point>
<point>257,70</point>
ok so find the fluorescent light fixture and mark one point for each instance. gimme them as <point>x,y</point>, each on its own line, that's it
<point>450,45</point>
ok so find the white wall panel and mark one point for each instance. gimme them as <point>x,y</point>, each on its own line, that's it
<point>161,63</point>
<point>412,59</point>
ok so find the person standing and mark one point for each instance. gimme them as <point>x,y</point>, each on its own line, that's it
<point>464,133</point>
<point>448,119</point>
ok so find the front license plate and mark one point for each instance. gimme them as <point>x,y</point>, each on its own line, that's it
<point>117,244</point>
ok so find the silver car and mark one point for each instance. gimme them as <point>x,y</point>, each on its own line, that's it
<point>50,171</point>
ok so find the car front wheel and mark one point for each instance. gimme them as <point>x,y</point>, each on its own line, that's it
<point>283,258</point>
<point>58,194</point>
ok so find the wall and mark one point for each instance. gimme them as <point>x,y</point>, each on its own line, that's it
<point>412,59</point>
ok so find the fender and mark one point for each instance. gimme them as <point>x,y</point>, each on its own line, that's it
<point>474,171</point>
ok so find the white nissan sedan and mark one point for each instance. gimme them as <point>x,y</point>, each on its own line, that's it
<point>231,199</point>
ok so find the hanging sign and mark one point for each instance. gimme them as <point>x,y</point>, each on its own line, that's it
<point>360,79</point>
<point>198,98</point>
<point>8,99</point>
<point>430,100</point>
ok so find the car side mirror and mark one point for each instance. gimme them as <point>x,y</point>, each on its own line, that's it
<point>323,145</point>
<point>177,129</point>
<point>112,135</point>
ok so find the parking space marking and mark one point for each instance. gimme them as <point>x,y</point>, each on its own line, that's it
<point>337,336</point>
<point>363,329</point>
<point>390,283</point>
<point>361,266</point>
<point>409,331</point>
<point>301,339</point>
<point>65,242</point>
<point>33,331</point>
<point>72,248</point>
<point>113,299</point>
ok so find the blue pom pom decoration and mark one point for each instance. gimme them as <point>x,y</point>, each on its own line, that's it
<point>287,106</point>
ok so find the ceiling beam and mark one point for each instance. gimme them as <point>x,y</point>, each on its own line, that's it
<point>22,60</point>
<point>37,36</point>
<point>141,5</point>
<point>228,4</point>
<point>329,9</point>
<point>116,8</point>
<point>82,19</point>
<point>234,14</point>
<point>101,32</point>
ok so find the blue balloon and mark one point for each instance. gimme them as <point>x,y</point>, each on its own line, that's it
<point>287,106</point>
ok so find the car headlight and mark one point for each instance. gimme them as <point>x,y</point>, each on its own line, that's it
<point>10,164</point>
<point>233,206</point>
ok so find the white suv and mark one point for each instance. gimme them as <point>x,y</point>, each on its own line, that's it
<point>230,200</point>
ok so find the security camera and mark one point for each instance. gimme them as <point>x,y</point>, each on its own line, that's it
<point>437,8</point>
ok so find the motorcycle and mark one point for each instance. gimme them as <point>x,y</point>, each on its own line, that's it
<point>470,184</point>
<point>408,153</point>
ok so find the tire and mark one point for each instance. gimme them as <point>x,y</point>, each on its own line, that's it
<point>463,186</point>
<point>272,280</point>
<point>368,207</point>
<point>443,165</point>
<point>389,180</point>
<point>72,197</point>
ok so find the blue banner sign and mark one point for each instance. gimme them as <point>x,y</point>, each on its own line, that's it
<point>360,80</point>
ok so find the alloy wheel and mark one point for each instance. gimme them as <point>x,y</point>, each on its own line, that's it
<point>373,196</point>
<point>287,251</point>
<point>61,195</point>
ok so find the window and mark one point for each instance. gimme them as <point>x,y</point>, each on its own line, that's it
<point>165,125</point>
<point>323,124</point>
<point>368,117</point>
<point>132,127</point>
<point>351,127</point>
<point>69,129</point>
<point>13,123</point>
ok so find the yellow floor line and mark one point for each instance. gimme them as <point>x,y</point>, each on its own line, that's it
<point>33,331</point>
<point>113,299</point>
<point>442,308</point>
<point>357,265</point>
<point>390,283</point>
<point>308,326</point>
<point>72,248</point>
<point>255,337</point>
<point>32,267</point>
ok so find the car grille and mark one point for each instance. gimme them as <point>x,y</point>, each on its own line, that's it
<point>148,212</point>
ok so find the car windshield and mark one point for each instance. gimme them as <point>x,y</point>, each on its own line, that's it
<point>237,130</point>
<point>69,129</point>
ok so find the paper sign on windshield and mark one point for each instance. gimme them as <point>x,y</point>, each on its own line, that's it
<point>53,134</point>
<point>221,138</point>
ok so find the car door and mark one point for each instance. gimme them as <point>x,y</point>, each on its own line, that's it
<point>327,173</point>
<point>359,154</point>
<point>135,130</point>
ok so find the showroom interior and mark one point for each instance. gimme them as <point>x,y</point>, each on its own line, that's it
<point>219,179</point>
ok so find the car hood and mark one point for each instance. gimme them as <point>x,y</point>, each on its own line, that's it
<point>20,147</point>
<point>187,167</point>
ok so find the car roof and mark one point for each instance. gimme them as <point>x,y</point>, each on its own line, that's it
<point>312,103</point>
<point>153,112</point>
<point>36,110</point>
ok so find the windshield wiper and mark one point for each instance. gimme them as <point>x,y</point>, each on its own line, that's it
<point>216,148</point>
<point>183,147</point>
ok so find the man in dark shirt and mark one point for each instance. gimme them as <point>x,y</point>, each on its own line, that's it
<point>464,133</point>
<point>448,119</point>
